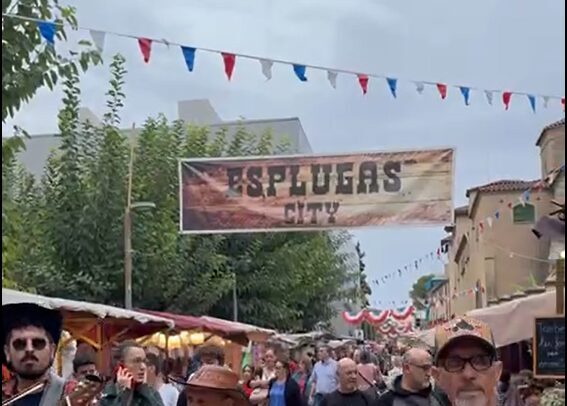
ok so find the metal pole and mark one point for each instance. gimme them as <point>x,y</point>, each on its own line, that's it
<point>128,259</point>
<point>234,298</point>
<point>128,234</point>
<point>560,286</point>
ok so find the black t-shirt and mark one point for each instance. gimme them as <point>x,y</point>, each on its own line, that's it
<point>30,400</point>
<point>337,398</point>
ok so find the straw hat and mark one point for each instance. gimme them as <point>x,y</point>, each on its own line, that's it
<point>217,379</point>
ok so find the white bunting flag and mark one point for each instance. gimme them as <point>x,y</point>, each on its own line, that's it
<point>267,68</point>
<point>489,96</point>
<point>490,221</point>
<point>98,38</point>
<point>419,87</point>
<point>332,77</point>
<point>545,101</point>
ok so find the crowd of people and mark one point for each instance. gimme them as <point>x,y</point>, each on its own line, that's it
<point>462,370</point>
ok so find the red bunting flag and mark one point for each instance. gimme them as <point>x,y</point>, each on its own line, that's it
<point>563,103</point>
<point>506,98</point>
<point>438,252</point>
<point>145,45</point>
<point>442,88</point>
<point>363,81</point>
<point>510,205</point>
<point>481,227</point>
<point>229,62</point>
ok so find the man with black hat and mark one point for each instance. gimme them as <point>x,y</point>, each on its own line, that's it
<point>30,334</point>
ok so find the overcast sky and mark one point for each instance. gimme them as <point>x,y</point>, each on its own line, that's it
<point>502,44</point>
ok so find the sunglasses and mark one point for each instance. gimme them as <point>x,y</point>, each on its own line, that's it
<point>38,344</point>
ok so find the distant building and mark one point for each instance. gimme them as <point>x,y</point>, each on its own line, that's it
<point>491,246</point>
<point>438,301</point>
<point>197,112</point>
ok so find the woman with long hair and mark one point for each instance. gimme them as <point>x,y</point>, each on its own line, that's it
<point>303,376</point>
<point>246,379</point>
<point>283,390</point>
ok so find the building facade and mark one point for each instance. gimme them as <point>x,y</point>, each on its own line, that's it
<point>493,253</point>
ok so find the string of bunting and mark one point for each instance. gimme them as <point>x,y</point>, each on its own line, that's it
<point>489,222</point>
<point>48,29</point>
<point>377,317</point>
<point>524,198</point>
<point>441,300</point>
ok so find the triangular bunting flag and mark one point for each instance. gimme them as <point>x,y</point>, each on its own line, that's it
<point>481,227</point>
<point>489,221</point>
<point>497,215</point>
<point>363,81</point>
<point>332,78</point>
<point>189,56</point>
<point>563,103</point>
<point>229,62</point>
<point>506,98</point>
<point>545,102</point>
<point>300,72</point>
<point>489,96</point>
<point>419,87</point>
<point>442,89</point>
<point>47,31</point>
<point>267,68</point>
<point>98,38</point>
<point>532,100</point>
<point>393,85</point>
<point>145,45</point>
<point>510,205</point>
<point>466,92</point>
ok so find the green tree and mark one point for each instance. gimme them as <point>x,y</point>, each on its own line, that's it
<point>284,280</point>
<point>27,62</point>
<point>419,291</point>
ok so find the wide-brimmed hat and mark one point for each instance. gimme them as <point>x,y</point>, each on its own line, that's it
<point>212,378</point>
<point>17,315</point>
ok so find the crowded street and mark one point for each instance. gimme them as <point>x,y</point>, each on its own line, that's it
<point>283,203</point>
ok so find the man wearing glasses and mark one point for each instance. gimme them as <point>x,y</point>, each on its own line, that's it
<point>30,334</point>
<point>466,366</point>
<point>413,387</point>
<point>130,385</point>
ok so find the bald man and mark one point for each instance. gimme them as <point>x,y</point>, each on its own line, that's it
<point>413,387</point>
<point>347,393</point>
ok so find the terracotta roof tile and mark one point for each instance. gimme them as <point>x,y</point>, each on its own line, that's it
<point>505,186</point>
<point>557,124</point>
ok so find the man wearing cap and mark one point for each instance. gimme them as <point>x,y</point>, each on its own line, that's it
<point>466,365</point>
<point>30,334</point>
<point>214,385</point>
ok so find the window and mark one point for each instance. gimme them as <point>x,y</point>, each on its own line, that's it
<point>524,214</point>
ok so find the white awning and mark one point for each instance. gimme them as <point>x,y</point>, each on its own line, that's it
<point>10,296</point>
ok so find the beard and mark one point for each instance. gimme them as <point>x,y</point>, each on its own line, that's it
<point>477,398</point>
<point>34,373</point>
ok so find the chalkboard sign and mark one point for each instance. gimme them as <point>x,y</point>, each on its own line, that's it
<point>549,347</point>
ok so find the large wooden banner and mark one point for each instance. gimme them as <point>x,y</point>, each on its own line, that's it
<point>316,192</point>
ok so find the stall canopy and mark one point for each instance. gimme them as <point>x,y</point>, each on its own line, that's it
<point>513,321</point>
<point>238,332</point>
<point>510,322</point>
<point>95,324</point>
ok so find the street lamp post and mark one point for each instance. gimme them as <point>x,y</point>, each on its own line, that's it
<point>130,206</point>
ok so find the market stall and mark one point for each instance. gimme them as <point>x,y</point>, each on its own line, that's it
<point>95,324</point>
<point>513,322</point>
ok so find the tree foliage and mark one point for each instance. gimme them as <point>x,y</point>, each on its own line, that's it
<point>71,222</point>
<point>28,63</point>
<point>419,291</point>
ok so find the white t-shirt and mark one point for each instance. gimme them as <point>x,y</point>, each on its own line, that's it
<point>169,394</point>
